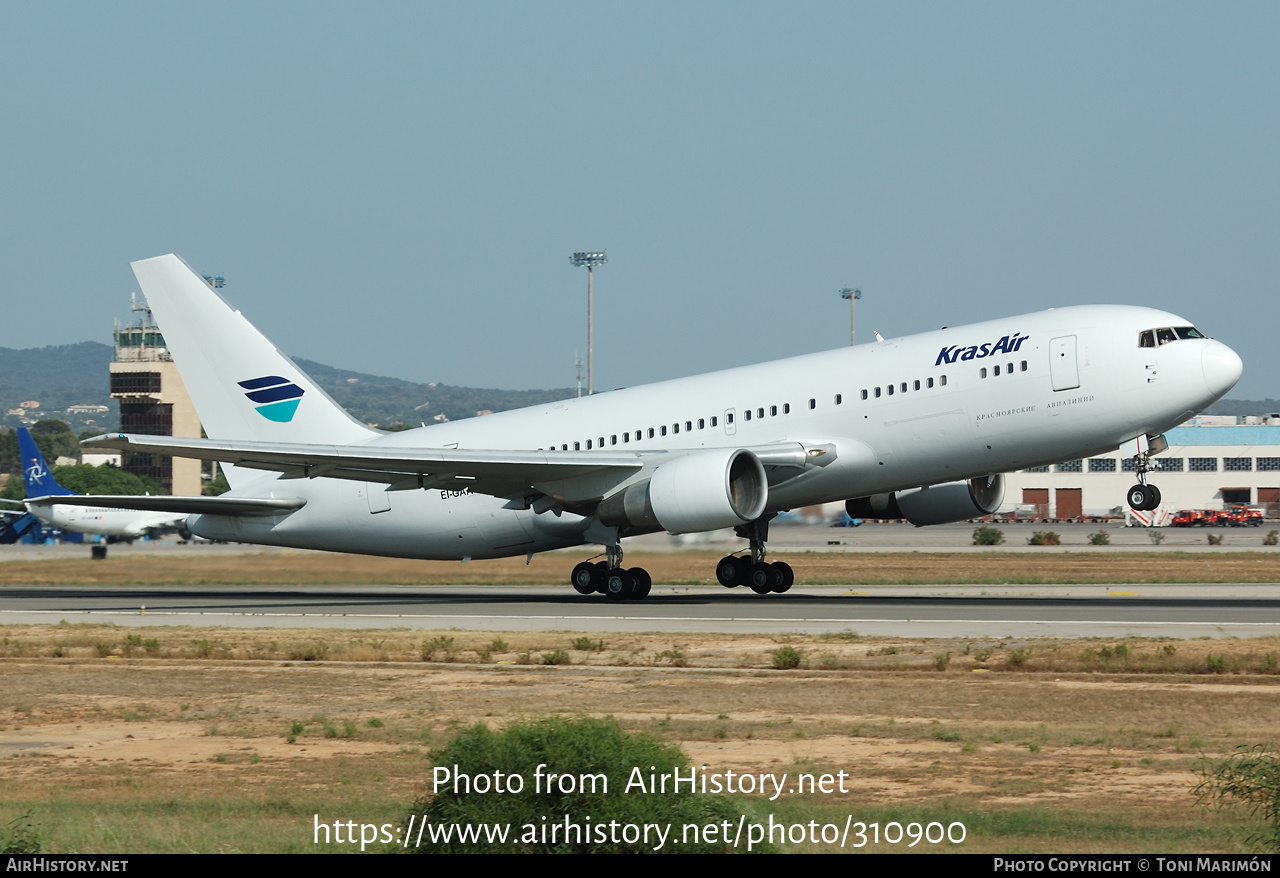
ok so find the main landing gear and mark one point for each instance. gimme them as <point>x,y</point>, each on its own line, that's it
<point>753,571</point>
<point>1143,497</point>
<point>610,579</point>
<point>617,583</point>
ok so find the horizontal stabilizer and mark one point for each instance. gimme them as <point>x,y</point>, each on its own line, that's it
<point>178,505</point>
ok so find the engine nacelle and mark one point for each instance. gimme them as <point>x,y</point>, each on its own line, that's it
<point>936,504</point>
<point>703,490</point>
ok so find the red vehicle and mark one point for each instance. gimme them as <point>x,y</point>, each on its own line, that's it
<point>1188,518</point>
<point>1243,516</point>
<point>1216,517</point>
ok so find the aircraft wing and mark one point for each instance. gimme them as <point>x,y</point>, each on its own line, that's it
<point>510,474</point>
<point>176,505</point>
<point>515,475</point>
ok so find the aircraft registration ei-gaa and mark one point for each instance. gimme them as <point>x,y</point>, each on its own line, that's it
<point>920,427</point>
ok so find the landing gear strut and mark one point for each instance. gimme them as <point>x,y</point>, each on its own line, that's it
<point>609,578</point>
<point>754,571</point>
<point>1143,497</point>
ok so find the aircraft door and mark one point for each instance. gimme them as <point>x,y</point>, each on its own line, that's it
<point>1063,370</point>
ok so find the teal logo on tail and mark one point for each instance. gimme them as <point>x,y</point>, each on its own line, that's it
<point>277,397</point>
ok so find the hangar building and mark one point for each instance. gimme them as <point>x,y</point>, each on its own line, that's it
<point>1211,463</point>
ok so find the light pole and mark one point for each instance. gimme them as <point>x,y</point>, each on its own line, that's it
<point>853,296</point>
<point>590,260</point>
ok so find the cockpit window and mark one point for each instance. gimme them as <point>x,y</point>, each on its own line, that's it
<point>1151,338</point>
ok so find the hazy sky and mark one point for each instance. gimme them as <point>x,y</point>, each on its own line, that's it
<point>396,188</point>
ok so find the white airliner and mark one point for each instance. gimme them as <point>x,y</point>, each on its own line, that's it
<point>920,427</point>
<point>68,514</point>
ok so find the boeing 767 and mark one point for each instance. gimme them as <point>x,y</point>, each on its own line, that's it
<point>920,427</point>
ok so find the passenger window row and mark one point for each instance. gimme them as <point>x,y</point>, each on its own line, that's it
<point>1008,369</point>
<point>677,427</point>
<point>638,435</point>
<point>773,411</point>
<point>748,414</point>
<point>900,387</point>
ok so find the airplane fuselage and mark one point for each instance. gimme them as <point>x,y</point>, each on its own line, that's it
<point>123,523</point>
<point>937,407</point>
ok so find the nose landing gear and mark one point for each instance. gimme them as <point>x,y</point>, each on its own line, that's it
<point>1143,497</point>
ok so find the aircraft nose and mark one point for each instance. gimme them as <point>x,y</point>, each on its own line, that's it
<point>1222,367</point>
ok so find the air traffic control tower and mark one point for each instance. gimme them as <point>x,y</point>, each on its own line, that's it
<point>153,401</point>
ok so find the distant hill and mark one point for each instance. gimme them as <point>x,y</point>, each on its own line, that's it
<point>57,377</point>
<point>65,375</point>
<point>378,400</point>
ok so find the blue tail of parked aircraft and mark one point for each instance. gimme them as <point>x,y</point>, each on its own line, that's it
<point>35,472</point>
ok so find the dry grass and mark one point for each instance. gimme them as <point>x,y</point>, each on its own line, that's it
<point>690,567</point>
<point>1047,745</point>
<point>177,739</point>
<point>839,652</point>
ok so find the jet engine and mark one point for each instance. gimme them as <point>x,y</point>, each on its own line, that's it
<point>703,490</point>
<point>936,504</point>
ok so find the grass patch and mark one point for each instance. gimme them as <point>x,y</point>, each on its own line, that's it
<point>593,762</point>
<point>438,649</point>
<point>1044,538</point>
<point>986,535</point>
<point>786,658</point>
<point>20,836</point>
<point>1250,780</point>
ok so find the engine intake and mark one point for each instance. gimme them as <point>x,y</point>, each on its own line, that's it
<point>703,490</point>
<point>936,504</point>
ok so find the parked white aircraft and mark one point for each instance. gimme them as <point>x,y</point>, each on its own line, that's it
<point>69,514</point>
<point>919,427</point>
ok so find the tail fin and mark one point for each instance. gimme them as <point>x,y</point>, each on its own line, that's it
<point>242,386</point>
<point>35,472</point>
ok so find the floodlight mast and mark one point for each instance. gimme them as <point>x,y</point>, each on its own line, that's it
<point>853,295</point>
<point>590,260</point>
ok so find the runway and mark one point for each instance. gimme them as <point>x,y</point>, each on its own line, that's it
<point>1180,611</point>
